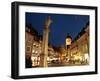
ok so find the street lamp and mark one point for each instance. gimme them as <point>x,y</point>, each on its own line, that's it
<point>87,58</point>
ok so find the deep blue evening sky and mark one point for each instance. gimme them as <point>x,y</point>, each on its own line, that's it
<point>60,27</point>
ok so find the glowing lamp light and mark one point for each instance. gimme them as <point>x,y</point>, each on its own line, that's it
<point>80,58</point>
<point>48,58</point>
<point>36,52</point>
<point>86,56</point>
<point>76,57</point>
<point>33,51</point>
<point>32,58</point>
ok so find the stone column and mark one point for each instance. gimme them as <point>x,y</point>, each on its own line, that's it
<point>44,54</point>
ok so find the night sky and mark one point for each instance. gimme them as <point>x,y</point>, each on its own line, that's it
<point>61,26</point>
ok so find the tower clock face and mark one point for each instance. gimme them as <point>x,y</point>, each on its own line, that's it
<point>68,41</point>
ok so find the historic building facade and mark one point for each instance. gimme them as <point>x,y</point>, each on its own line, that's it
<point>79,49</point>
<point>32,46</point>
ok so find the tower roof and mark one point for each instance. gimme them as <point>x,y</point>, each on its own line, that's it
<point>68,36</point>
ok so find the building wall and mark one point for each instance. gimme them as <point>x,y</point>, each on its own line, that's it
<point>33,45</point>
<point>28,44</point>
<point>80,46</point>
